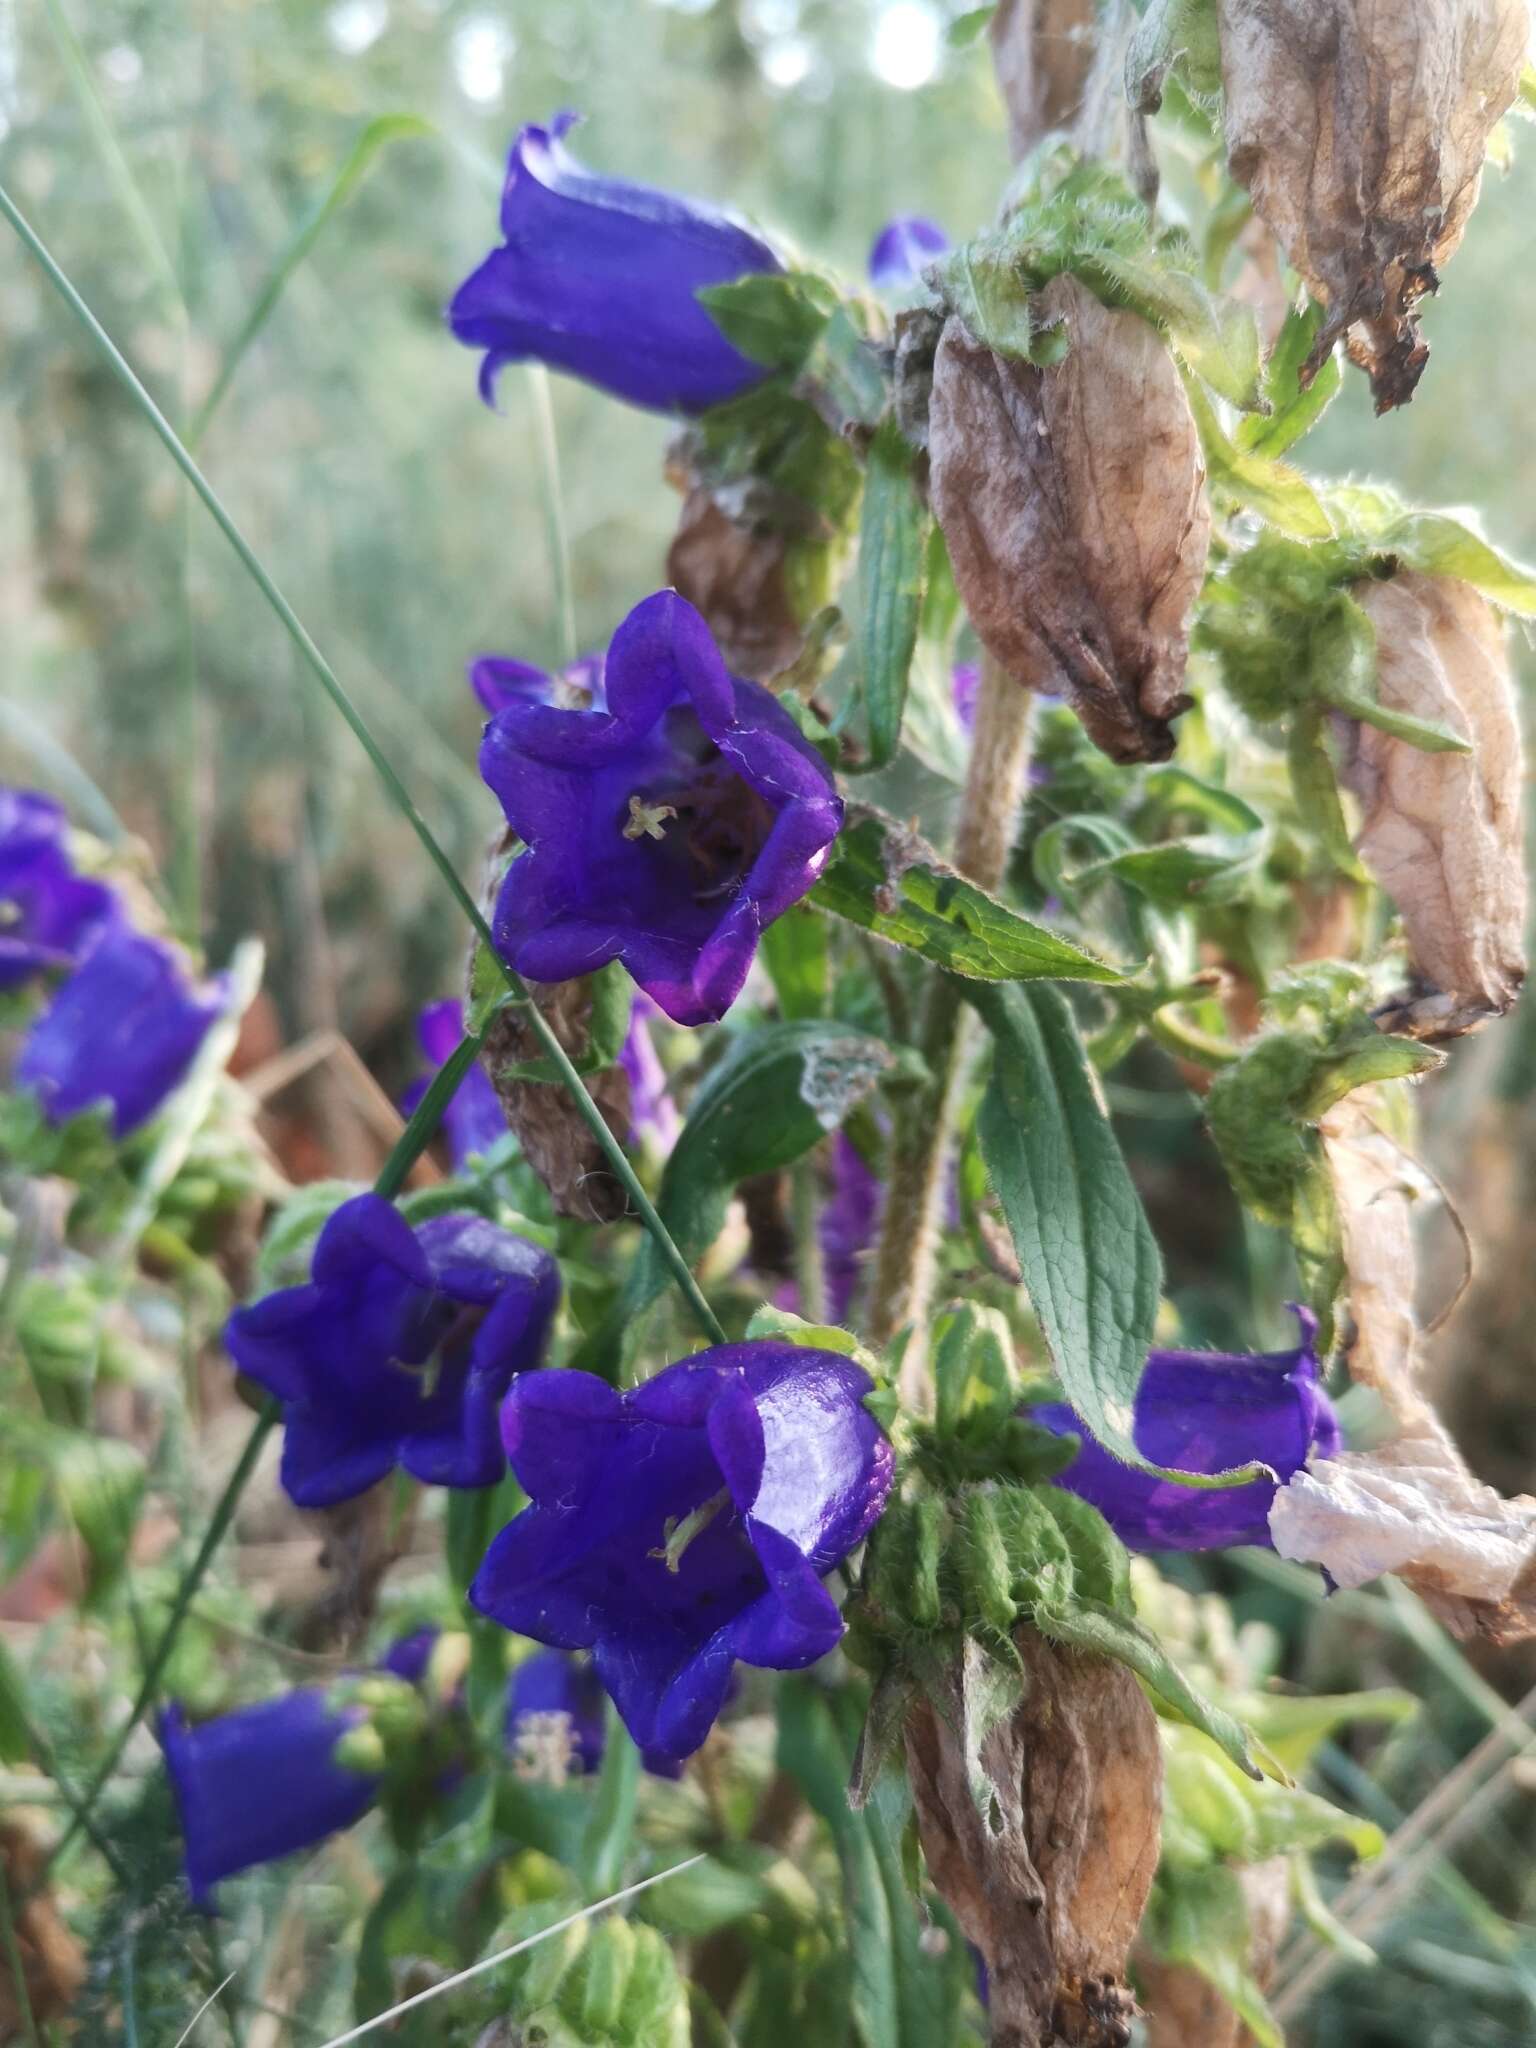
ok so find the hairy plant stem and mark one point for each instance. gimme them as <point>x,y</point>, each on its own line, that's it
<point>906,1265</point>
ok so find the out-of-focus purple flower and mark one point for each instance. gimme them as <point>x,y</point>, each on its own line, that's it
<point>473,1121</point>
<point>398,1349</point>
<point>49,915</point>
<point>902,251</point>
<point>554,1724</point>
<point>847,1225</point>
<point>261,1782</point>
<point>665,832</point>
<point>651,1108</point>
<point>122,1030</point>
<point>497,680</point>
<point>965,688</point>
<point>1200,1411</point>
<point>686,1524</point>
<point>597,277</point>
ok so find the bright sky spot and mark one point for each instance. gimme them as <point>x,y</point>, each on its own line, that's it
<point>785,61</point>
<point>482,50</point>
<point>354,24</point>
<point>907,44</point>
<point>123,64</point>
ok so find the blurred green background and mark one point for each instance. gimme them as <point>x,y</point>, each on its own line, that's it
<point>170,151</point>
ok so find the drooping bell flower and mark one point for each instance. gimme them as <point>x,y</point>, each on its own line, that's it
<point>122,1031</point>
<point>498,680</point>
<point>397,1350</point>
<point>597,277</point>
<point>472,1122</point>
<point>687,1523</point>
<point>1199,1411</point>
<point>652,1111</point>
<point>665,832</point>
<point>902,250</point>
<point>49,915</point>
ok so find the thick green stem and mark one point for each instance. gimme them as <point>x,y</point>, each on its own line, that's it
<point>906,1266</point>
<point>810,1267</point>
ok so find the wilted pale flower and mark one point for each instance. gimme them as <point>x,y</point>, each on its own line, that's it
<point>49,915</point>
<point>122,1030</point>
<point>665,832</point>
<point>686,1524</point>
<point>398,1349</point>
<point>472,1122</point>
<point>1199,1411</point>
<point>598,277</point>
<point>903,249</point>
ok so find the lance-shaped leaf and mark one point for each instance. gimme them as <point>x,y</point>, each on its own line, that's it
<point>1213,866</point>
<point>1293,406</point>
<point>1255,477</point>
<point>893,537</point>
<point>888,881</point>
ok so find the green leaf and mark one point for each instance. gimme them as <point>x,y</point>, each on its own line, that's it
<point>888,882</point>
<point>15,1730</point>
<point>1315,786</point>
<point>1292,409</point>
<point>1254,479</point>
<point>970,27</point>
<point>796,952</point>
<point>893,538</point>
<point>902,1998</point>
<point>1093,1626</point>
<point>1343,642</point>
<point>1200,1918</point>
<point>773,317</point>
<point>1217,337</point>
<point>983,282</point>
<point>1439,544</point>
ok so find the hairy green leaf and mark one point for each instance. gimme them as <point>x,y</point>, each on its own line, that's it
<point>893,538</point>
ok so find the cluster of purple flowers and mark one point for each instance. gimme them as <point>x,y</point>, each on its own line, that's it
<point>125,1019</point>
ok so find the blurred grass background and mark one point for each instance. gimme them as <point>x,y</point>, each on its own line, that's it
<point>170,151</point>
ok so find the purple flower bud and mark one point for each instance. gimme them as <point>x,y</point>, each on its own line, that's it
<point>472,1122</point>
<point>965,688</point>
<point>497,680</point>
<point>651,1108</point>
<point>1200,1411</point>
<point>398,1349</point>
<point>902,251</point>
<point>664,832</point>
<point>686,1524</point>
<point>260,1782</point>
<point>598,277</point>
<point>49,915</point>
<point>122,1031</point>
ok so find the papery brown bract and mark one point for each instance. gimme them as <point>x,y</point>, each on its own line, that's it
<point>733,571</point>
<point>1072,499</point>
<point>1442,832</point>
<point>1051,1885</point>
<point>1042,52</point>
<point>1360,127</point>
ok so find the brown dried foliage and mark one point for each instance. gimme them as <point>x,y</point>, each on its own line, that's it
<point>1360,128</point>
<point>1042,52</point>
<point>52,1961</point>
<point>551,1130</point>
<point>1184,2009</point>
<point>732,570</point>
<point>1442,833</point>
<point>1073,503</point>
<point>1051,1885</point>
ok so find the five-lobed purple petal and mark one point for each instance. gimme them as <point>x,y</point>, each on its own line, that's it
<point>597,277</point>
<point>767,1446</point>
<point>398,1349</point>
<point>1205,1412</point>
<point>668,830</point>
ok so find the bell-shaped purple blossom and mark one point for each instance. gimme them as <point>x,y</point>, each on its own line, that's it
<point>121,1031</point>
<point>49,916</point>
<point>848,1221</point>
<point>686,1524</point>
<point>598,277</point>
<point>472,1122</point>
<point>498,680</point>
<point>1200,1411</point>
<point>398,1349</point>
<point>652,1112</point>
<point>665,832</point>
<point>902,251</point>
<point>261,1782</point>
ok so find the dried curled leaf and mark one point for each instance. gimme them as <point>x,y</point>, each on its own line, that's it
<point>1442,832</point>
<point>1042,52</point>
<point>1412,1507</point>
<point>1051,1881</point>
<point>1073,504</point>
<point>733,571</point>
<point>1360,128</point>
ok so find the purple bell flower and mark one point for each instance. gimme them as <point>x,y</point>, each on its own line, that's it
<point>49,916</point>
<point>398,1349</point>
<point>261,1782</point>
<point>651,1108</point>
<point>122,1030</point>
<point>1200,1411</point>
<point>849,1219</point>
<point>597,277</point>
<point>472,1122</point>
<point>665,832</point>
<point>497,680</point>
<point>686,1524</point>
<point>902,251</point>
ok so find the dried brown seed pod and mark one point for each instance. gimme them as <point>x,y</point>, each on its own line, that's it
<point>733,571</point>
<point>1072,499</point>
<point>555,1138</point>
<point>1042,52</point>
<point>1051,1884</point>
<point>1360,128</point>
<point>1442,833</point>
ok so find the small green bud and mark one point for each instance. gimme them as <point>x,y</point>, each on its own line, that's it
<point>361,1749</point>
